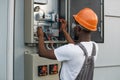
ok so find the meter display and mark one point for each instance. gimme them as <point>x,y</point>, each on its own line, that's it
<point>41,1</point>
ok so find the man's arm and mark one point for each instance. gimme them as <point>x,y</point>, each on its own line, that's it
<point>67,36</point>
<point>63,27</point>
<point>43,52</point>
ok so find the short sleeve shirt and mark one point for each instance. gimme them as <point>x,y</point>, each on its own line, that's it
<point>72,57</point>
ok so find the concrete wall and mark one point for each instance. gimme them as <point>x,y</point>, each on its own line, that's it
<point>3,38</point>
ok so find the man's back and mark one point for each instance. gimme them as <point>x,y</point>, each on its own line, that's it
<point>72,57</point>
<point>87,70</point>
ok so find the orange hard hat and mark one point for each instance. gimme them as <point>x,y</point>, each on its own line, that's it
<point>87,18</point>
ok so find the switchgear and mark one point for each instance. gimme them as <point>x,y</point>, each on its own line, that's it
<point>45,14</point>
<point>38,68</point>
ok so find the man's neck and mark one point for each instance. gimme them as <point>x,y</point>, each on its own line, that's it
<point>84,38</point>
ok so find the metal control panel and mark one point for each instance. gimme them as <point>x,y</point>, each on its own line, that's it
<point>37,68</point>
<point>45,14</point>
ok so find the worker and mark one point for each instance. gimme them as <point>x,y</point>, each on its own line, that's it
<point>71,55</point>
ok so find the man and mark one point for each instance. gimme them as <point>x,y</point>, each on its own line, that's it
<point>71,55</point>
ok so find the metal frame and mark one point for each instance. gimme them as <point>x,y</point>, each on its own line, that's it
<point>10,36</point>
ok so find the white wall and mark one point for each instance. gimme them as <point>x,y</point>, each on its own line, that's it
<point>108,62</point>
<point>109,53</point>
<point>3,38</point>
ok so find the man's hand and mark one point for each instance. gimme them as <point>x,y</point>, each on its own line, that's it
<point>66,34</point>
<point>43,52</point>
<point>63,24</point>
<point>40,32</point>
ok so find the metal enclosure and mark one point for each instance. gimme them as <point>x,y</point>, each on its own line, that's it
<point>34,65</point>
<point>45,14</point>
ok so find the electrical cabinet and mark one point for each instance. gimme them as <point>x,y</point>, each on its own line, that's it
<point>45,14</point>
<point>37,68</point>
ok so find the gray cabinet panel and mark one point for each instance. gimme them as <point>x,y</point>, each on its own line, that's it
<point>3,38</point>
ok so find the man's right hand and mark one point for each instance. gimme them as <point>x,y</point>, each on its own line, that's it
<point>63,24</point>
<point>66,34</point>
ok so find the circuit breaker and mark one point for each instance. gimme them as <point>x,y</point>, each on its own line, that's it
<point>45,14</point>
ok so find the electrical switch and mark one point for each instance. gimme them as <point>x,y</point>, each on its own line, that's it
<point>53,69</point>
<point>42,70</point>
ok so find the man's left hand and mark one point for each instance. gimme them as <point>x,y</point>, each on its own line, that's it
<point>40,32</point>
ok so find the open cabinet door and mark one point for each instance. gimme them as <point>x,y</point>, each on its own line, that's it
<point>97,6</point>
